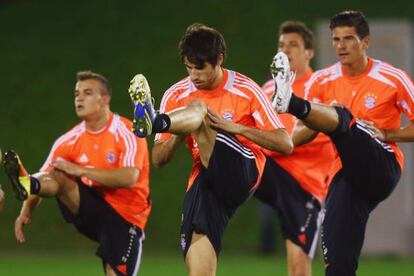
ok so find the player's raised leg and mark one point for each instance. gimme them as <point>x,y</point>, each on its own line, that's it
<point>315,116</point>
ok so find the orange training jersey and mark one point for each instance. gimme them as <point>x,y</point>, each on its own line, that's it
<point>310,163</point>
<point>379,95</point>
<point>237,98</point>
<point>115,146</point>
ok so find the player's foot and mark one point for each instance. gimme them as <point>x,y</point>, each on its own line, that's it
<point>283,79</point>
<point>18,176</point>
<point>144,113</point>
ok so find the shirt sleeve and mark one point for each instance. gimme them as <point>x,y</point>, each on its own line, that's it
<point>405,96</point>
<point>60,151</point>
<point>313,91</point>
<point>133,150</point>
<point>262,111</point>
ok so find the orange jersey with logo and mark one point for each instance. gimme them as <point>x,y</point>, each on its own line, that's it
<point>237,98</point>
<point>380,95</point>
<point>310,163</point>
<point>115,146</point>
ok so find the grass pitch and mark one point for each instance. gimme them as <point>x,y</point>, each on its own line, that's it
<point>172,264</point>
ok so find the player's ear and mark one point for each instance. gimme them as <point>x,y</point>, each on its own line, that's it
<point>309,53</point>
<point>106,99</point>
<point>365,42</point>
<point>220,59</point>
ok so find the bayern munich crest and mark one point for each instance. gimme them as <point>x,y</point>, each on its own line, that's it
<point>111,157</point>
<point>370,100</point>
<point>228,115</point>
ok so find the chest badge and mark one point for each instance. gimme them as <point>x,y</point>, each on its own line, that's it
<point>370,100</point>
<point>111,157</point>
<point>227,114</point>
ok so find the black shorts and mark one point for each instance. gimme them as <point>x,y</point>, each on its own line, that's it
<point>218,191</point>
<point>299,212</point>
<point>120,242</point>
<point>369,164</point>
<point>370,173</point>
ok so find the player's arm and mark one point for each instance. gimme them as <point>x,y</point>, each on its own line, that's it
<point>123,177</point>
<point>301,134</point>
<point>164,151</point>
<point>1,198</point>
<point>275,140</point>
<point>404,134</point>
<point>25,216</point>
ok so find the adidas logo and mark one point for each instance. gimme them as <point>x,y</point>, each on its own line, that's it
<point>83,159</point>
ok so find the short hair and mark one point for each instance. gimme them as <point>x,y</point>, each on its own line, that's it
<point>201,44</point>
<point>87,75</point>
<point>354,19</point>
<point>301,29</point>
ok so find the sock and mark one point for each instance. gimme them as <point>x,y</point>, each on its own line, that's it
<point>34,185</point>
<point>161,123</point>
<point>299,107</point>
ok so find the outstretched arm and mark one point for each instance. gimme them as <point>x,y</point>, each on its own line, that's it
<point>164,151</point>
<point>25,216</point>
<point>124,177</point>
<point>275,140</point>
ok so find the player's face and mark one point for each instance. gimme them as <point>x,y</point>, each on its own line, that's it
<point>293,45</point>
<point>89,99</point>
<point>206,77</point>
<point>349,48</point>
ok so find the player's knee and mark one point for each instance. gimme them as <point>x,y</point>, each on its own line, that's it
<point>345,121</point>
<point>63,180</point>
<point>199,106</point>
<point>300,270</point>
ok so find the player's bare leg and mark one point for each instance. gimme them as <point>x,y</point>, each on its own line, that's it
<point>109,271</point>
<point>322,118</point>
<point>201,259</point>
<point>54,184</point>
<point>193,119</point>
<point>299,263</point>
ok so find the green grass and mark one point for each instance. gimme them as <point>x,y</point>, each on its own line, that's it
<point>172,264</point>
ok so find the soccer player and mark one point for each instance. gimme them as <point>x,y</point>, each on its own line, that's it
<point>368,97</point>
<point>99,174</point>
<point>225,119</point>
<point>295,185</point>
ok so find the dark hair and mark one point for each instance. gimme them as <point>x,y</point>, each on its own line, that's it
<point>301,29</point>
<point>351,19</point>
<point>87,75</point>
<point>201,44</point>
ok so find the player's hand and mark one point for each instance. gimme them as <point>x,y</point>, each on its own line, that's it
<point>2,198</point>
<point>379,133</point>
<point>21,221</point>
<point>219,123</point>
<point>68,167</point>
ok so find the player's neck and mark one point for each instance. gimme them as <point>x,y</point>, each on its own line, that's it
<point>218,78</point>
<point>302,71</point>
<point>356,68</point>
<point>98,121</point>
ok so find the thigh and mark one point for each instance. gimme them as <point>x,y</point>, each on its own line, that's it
<point>121,244</point>
<point>299,212</point>
<point>369,164</point>
<point>203,213</point>
<point>344,227</point>
<point>88,218</point>
<point>232,172</point>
